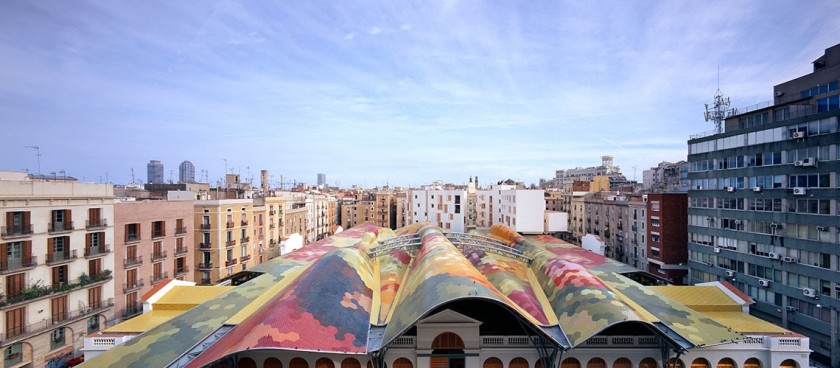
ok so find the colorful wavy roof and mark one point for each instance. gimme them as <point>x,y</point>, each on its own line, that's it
<point>357,291</point>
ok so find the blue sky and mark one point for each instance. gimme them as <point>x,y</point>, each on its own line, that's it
<point>384,92</point>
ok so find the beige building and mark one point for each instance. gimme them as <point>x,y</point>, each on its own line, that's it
<point>55,265</point>
<point>154,242</point>
<point>400,209</point>
<point>273,230</point>
<point>224,238</point>
<point>382,209</point>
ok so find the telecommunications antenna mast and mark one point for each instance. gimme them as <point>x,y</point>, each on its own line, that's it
<point>717,112</point>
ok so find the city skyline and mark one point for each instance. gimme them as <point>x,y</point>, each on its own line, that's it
<point>440,91</point>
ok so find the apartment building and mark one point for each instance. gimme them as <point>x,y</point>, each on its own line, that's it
<point>763,205</point>
<point>153,242</point>
<point>666,177</point>
<point>667,236</point>
<point>400,209</point>
<point>223,230</point>
<point>274,209</point>
<point>445,208</point>
<point>55,265</point>
<point>383,211</point>
<point>520,209</point>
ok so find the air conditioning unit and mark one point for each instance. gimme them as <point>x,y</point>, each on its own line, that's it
<point>822,228</point>
<point>730,189</point>
<point>730,273</point>
<point>791,309</point>
<point>737,222</point>
<point>809,292</point>
<point>799,191</point>
<point>809,161</point>
<point>717,250</point>
<point>797,135</point>
<point>789,259</point>
<point>773,255</point>
<point>797,163</point>
<point>774,225</point>
<point>709,264</point>
<point>763,282</point>
<point>756,189</point>
<point>780,93</point>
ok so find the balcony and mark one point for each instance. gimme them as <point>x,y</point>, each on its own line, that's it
<point>230,262</point>
<point>245,258</point>
<point>132,310</point>
<point>38,290</point>
<point>132,285</point>
<point>271,225</point>
<point>230,224</point>
<point>158,256</point>
<point>22,332</point>
<point>230,243</point>
<point>97,251</point>
<point>62,257</point>
<point>181,271</point>
<point>205,246</point>
<point>158,234</point>
<point>180,251</point>
<point>131,238</point>
<point>17,264</point>
<point>159,277</point>
<point>12,232</point>
<point>59,227</point>
<point>205,281</point>
<point>205,227</point>
<point>131,262</point>
<point>246,239</point>
<point>180,230</point>
<point>94,224</point>
<point>244,222</point>
<point>205,266</point>
<point>272,212</point>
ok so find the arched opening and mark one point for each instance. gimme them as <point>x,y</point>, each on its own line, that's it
<point>789,363</point>
<point>700,363</point>
<point>570,363</point>
<point>675,363</point>
<point>648,363</point>
<point>403,363</point>
<point>324,363</point>
<point>622,363</point>
<point>298,363</point>
<point>351,363</point>
<point>493,363</point>
<point>596,363</point>
<point>246,362</point>
<point>272,363</point>
<point>752,363</point>
<point>518,362</point>
<point>726,363</point>
<point>448,351</point>
<point>538,364</point>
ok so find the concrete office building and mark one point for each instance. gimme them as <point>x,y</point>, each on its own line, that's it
<point>763,206</point>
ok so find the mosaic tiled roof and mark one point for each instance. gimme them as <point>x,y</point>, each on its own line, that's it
<point>333,294</point>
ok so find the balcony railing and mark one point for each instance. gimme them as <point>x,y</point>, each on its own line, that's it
<point>132,310</point>
<point>621,341</point>
<point>230,243</point>
<point>206,281</point>
<point>244,222</point>
<point>180,251</point>
<point>132,285</point>
<point>129,238</point>
<point>96,224</point>
<point>180,230</point>
<point>181,271</point>
<point>22,332</point>
<point>231,262</point>
<point>17,264</point>
<point>38,290</point>
<point>9,232</point>
<point>67,256</point>
<point>100,250</point>
<point>130,262</point>
<point>205,246</point>
<point>205,266</point>
<point>205,226</point>
<point>246,239</point>
<point>159,277</point>
<point>271,225</point>
<point>230,224</point>
<point>158,255</point>
<point>158,234</point>
<point>59,227</point>
<point>272,212</point>
<point>245,258</point>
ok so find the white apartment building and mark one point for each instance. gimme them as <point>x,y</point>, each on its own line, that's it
<point>442,207</point>
<point>55,266</point>
<point>520,209</point>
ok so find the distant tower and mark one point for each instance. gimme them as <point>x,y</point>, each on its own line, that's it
<point>322,179</point>
<point>264,181</point>
<point>717,112</point>
<point>186,172</point>
<point>154,172</point>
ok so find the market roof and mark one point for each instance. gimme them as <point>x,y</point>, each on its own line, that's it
<point>341,295</point>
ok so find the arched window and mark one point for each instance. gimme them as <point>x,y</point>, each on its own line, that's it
<point>648,363</point>
<point>726,363</point>
<point>622,363</point>
<point>351,363</point>
<point>246,362</point>
<point>675,363</point>
<point>570,363</point>
<point>518,362</point>
<point>789,363</point>
<point>448,341</point>
<point>493,363</point>
<point>700,363</point>
<point>596,363</point>
<point>324,363</point>
<point>752,363</point>
<point>298,363</point>
<point>403,363</point>
<point>272,363</point>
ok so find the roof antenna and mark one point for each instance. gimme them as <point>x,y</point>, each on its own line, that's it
<point>719,109</point>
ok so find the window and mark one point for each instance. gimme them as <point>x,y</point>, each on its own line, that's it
<point>158,229</point>
<point>57,338</point>
<point>14,284</point>
<point>59,276</point>
<point>132,232</point>
<point>654,205</point>
<point>93,324</point>
<point>13,354</point>
<point>59,308</point>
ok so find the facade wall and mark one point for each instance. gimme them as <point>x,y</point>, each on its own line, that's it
<point>667,235</point>
<point>224,240</point>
